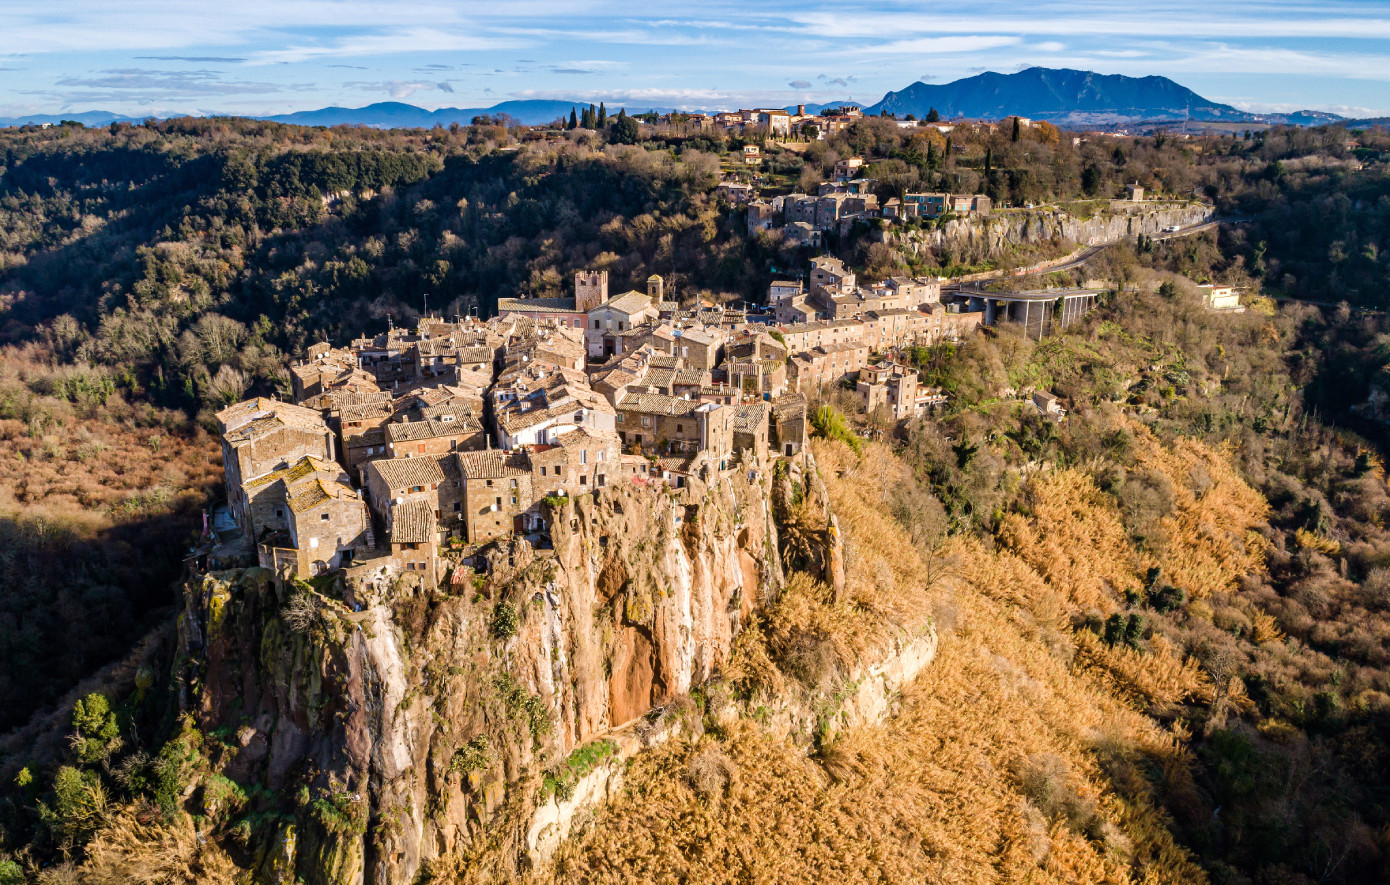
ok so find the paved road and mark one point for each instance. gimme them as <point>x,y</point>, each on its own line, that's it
<point>1093,251</point>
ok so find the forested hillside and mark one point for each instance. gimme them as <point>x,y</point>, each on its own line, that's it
<point>1177,597</point>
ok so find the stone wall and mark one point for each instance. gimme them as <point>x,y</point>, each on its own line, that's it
<point>1006,231</point>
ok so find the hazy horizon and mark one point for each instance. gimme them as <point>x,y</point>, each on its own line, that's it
<point>271,58</point>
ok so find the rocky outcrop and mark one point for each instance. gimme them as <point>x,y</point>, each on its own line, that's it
<point>1006,231</point>
<point>868,697</point>
<point>396,740</point>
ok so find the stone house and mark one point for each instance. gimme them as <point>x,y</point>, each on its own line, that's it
<point>580,461</point>
<point>829,273</point>
<point>656,423</point>
<point>497,492</point>
<point>787,431</point>
<point>414,540</point>
<point>477,358</point>
<point>434,436</point>
<point>700,346</point>
<point>308,518</point>
<point>358,449</point>
<point>559,311</point>
<point>813,369</point>
<point>261,435</point>
<point>397,480</point>
<point>608,322</point>
<point>751,427</point>
<point>537,420</point>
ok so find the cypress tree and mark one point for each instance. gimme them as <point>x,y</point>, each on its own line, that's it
<point>602,116</point>
<point>574,120</point>
<point>989,161</point>
<point>1018,129</point>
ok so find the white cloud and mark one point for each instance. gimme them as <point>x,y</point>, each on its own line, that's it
<point>945,45</point>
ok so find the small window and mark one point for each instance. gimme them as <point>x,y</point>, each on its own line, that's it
<point>583,456</point>
<point>499,502</point>
<point>513,500</point>
<point>559,470</point>
<point>513,483</point>
<point>323,516</point>
<point>680,428</point>
<point>489,483</point>
<point>458,508</point>
<point>601,454</point>
<point>279,514</point>
<point>583,480</point>
<point>542,470</point>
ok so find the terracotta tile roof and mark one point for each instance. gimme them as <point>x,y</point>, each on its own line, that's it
<point>263,409</point>
<point>792,405</point>
<point>493,463</point>
<point>365,412</point>
<point>403,473</point>
<point>475,354</point>
<point>305,495</point>
<point>748,417</point>
<point>657,404</point>
<point>372,436</point>
<point>630,302</point>
<point>410,431</point>
<point>536,305</point>
<point>412,522</point>
<point>449,465</point>
<point>298,470</point>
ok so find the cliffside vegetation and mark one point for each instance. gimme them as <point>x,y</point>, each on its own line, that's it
<point>1163,619</point>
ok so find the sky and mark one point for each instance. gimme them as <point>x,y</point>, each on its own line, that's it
<point>260,57</point>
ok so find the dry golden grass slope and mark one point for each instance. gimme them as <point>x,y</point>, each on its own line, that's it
<point>1015,756</point>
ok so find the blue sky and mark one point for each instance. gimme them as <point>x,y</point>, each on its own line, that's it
<point>273,56</point>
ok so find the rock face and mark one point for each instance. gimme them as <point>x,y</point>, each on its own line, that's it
<point>393,741</point>
<point>1001,232</point>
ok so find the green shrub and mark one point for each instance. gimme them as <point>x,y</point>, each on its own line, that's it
<point>830,423</point>
<point>98,735</point>
<point>472,756</point>
<point>504,621</point>
<point>11,873</point>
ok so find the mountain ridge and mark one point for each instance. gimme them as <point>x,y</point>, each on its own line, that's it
<point>1064,96</point>
<point>1072,98</point>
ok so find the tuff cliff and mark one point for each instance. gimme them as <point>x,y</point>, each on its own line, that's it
<point>422,732</point>
<point>1008,230</point>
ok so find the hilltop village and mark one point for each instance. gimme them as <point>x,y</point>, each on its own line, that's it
<point>404,452</point>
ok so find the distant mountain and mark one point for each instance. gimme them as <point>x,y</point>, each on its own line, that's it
<point>383,115</point>
<point>394,114</point>
<point>86,118</point>
<point>1073,98</point>
<point>1068,98</point>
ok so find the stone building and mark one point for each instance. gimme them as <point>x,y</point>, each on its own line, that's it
<point>580,461</point>
<point>656,423</point>
<point>307,517</point>
<point>496,493</point>
<point>261,435</point>
<point>414,540</point>
<point>590,289</point>
<point>433,436</point>
<point>788,425</point>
